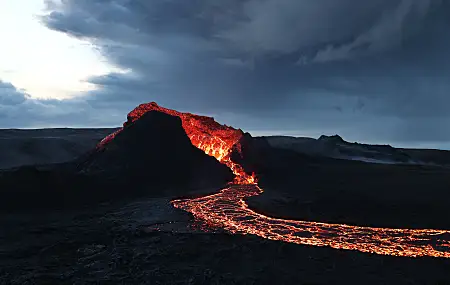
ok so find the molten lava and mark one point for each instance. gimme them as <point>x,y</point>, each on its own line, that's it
<point>228,210</point>
<point>213,138</point>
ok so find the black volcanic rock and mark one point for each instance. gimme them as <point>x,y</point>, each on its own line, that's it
<point>258,156</point>
<point>155,152</point>
<point>151,157</point>
<point>250,152</point>
<point>332,139</point>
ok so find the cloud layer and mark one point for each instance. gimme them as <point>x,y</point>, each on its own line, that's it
<point>19,110</point>
<point>369,70</point>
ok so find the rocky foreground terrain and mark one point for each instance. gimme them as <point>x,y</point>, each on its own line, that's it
<point>106,216</point>
<point>148,242</point>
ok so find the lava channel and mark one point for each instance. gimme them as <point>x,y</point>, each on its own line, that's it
<point>227,209</point>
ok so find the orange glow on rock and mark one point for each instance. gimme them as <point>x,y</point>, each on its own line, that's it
<point>206,134</point>
<point>228,210</point>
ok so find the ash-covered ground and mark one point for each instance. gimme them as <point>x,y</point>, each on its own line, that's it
<point>149,242</point>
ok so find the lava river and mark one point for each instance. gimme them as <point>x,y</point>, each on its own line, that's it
<point>227,209</point>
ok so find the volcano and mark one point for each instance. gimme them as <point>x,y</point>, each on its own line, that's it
<point>156,149</point>
<point>177,197</point>
<point>151,155</point>
<point>219,141</point>
<point>227,209</point>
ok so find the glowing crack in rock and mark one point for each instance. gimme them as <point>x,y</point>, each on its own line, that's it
<point>228,210</point>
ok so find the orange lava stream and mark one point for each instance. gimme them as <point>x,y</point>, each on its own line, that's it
<point>228,210</point>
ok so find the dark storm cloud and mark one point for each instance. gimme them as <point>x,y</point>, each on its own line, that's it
<point>369,70</point>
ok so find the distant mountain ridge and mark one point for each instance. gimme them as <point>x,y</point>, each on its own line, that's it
<point>336,147</point>
<point>41,146</point>
<point>55,145</point>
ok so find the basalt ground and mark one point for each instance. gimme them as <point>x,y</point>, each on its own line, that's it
<point>147,241</point>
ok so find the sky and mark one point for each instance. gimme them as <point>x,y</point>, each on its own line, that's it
<point>371,71</point>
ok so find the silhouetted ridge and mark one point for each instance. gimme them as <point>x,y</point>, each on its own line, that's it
<point>154,151</point>
<point>333,138</point>
<point>204,133</point>
<point>336,147</point>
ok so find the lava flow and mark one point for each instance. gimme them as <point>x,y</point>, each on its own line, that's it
<point>228,210</point>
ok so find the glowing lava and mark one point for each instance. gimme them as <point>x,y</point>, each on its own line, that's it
<point>213,138</point>
<point>228,210</point>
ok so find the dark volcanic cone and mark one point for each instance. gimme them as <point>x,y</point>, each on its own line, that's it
<point>152,153</point>
<point>151,156</point>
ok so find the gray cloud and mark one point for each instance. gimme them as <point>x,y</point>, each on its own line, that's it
<point>19,110</point>
<point>393,26</point>
<point>370,70</point>
<point>9,95</point>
